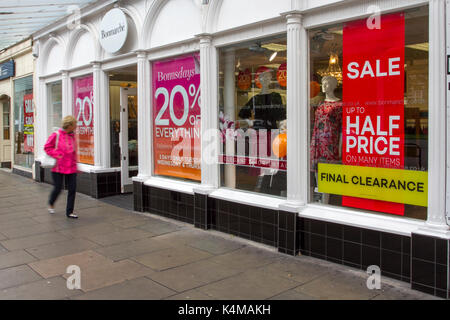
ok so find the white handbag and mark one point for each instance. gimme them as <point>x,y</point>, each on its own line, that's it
<point>49,162</point>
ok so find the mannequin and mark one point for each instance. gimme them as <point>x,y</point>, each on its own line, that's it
<point>327,129</point>
<point>266,108</point>
<point>263,111</point>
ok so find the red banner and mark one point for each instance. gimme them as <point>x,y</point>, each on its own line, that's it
<point>28,123</point>
<point>373,93</point>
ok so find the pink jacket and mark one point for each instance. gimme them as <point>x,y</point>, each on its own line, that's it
<point>65,154</point>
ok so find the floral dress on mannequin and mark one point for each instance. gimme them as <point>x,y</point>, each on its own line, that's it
<point>326,133</point>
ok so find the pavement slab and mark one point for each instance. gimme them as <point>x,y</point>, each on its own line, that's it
<point>245,258</point>
<point>61,248</point>
<point>89,230</point>
<point>58,266</point>
<point>15,258</point>
<point>338,286</point>
<point>130,222</point>
<point>136,289</point>
<point>96,277</point>
<point>28,231</point>
<point>24,222</point>
<point>133,248</point>
<point>172,257</point>
<point>192,275</point>
<point>16,276</point>
<point>47,289</point>
<point>119,236</point>
<point>215,245</point>
<point>191,295</point>
<point>250,285</point>
<point>159,227</point>
<point>32,241</point>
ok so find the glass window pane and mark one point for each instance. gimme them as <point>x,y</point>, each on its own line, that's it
<point>252,121</point>
<point>54,112</point>
<point>23,140</point>
<point>369,114</point>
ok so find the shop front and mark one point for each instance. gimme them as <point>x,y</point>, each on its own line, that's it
<point>318,129</point>
<point>17,108</point>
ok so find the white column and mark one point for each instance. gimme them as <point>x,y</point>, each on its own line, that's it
<point>229,97</point>
<point>297,113</point>
<point>98,157</point>
<point>40,133</point>
<point>145,123</point>
<point>209,112</point>
<point>66,103</point>
<point>437,120</point>
<point>106,120</point>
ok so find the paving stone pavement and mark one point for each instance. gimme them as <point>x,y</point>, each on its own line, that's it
<point>124,254</point>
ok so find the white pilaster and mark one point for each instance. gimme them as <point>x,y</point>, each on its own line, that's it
<point>40,130</point>
<point>297,113</point>
<point>66,103</point>
<point>145,123</point>
<point>229,98</point>
<point>98,121</point>
<point>209,113</point>
<point>437,120</point>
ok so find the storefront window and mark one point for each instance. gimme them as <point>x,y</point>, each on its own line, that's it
<point>23,122</point>
<point>6,126</point>
<point>83,110</point>
<point>119,80</point>
<point>176,117</point>
<point>54,113</point>
<point>252,116</point>
<point>369,114</point>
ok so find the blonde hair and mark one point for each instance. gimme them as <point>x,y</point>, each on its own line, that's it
<point>67,121</point>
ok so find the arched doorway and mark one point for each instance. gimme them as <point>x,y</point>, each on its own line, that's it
<point>5,131</point>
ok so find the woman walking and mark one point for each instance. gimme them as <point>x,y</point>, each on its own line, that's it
<point>62,146</point>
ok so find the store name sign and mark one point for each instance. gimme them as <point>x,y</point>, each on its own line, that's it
<point>113,30</point>
<point>7,70</point>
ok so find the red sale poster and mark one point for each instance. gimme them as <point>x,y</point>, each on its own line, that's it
<point>176,117</point>
<point>83,111</point>
<point>373,96</point>
<point>28,123</point>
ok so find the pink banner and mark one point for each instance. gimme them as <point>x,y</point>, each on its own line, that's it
<point>176,117</point>
<point>83,111</point>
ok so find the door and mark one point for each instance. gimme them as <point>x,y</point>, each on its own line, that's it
<point>128,138</point>
<point>5,134</point>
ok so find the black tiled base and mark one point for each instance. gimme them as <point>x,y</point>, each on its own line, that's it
<point>22,173</point>
<point>167,203</point>
<point>355,247</point>
<point>138,199</point>
<point>287,232</point>
<point>6,164</point>
<point>96,185</point>
<point>429,264</point>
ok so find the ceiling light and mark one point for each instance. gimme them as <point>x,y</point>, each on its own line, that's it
<point>273,56</point>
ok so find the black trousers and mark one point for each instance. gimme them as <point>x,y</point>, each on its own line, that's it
<point>71,181</point>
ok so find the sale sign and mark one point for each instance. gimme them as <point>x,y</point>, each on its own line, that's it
<point>176,117</point>
<point>83,111</point>
<point>373,96</point>
<point>282,75</point>
<point>28,123</point>
<point>244,80</point>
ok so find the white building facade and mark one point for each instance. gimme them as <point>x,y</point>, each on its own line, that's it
<point>316,127</point>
